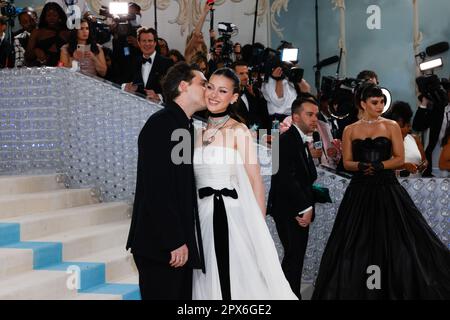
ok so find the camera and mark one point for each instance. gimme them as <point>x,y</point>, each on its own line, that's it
<point>274,59</point>
<point>433,88</point>
<point>8,9</point>
<point>123,20</point>
<point>226,31</point>
<point>340,94</point>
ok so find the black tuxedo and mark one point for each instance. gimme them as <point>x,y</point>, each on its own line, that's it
<point>290,193</point>
<point>256,113</point>
<point>429,118</point>
<point>165,214</point>
<point>159,70</point>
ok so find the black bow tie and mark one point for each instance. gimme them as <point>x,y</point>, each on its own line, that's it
<point>144,61</point>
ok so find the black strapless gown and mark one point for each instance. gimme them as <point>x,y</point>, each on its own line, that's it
<point>377,224</point>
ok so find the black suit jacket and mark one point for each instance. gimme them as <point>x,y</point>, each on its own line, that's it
<point>165,214</point>
<point>429,118</point>
<point>256,113</point>
<point>291,188</point>
<point>159,70</point>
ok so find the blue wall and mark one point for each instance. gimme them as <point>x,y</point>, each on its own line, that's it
<point>388,51</point>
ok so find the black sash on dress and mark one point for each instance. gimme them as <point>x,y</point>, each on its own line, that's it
<point>220,229</point>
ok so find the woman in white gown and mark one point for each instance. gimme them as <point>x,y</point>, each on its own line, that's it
<point>240,256</point>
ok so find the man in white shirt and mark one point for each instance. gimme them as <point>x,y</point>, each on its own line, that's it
<point>149,69</point>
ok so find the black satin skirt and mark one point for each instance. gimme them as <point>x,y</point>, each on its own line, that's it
<point>381,247</point>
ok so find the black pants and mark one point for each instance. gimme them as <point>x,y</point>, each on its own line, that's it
<point>294,239</point>
<point>162,282</point>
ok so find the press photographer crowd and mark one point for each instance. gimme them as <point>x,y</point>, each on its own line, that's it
<point>118,48</point>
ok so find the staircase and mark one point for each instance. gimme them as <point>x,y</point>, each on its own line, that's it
<point>58,243</point>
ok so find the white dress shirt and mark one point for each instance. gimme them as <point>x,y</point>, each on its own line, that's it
<point>308,139</point>
<point>147,68</point>
<point>274,103</point>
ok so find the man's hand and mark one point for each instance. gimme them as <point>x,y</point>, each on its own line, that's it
<point>315,153</point>
<point>152,96</point>
<point>179,257</point>
<point>305,220</point>
<point>130,87</point>
<point>277,73</point>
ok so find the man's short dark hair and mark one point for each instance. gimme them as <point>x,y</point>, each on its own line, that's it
<point>366,75</point>
<point>177,73</point>
<point>239,63</point>
<point>3,20</point>
<point>304,97</point>
<point>142,30</point>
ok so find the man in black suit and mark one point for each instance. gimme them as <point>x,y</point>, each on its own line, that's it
<point>291,200</point>
<point>148,68</point>
<point>165,236</point>
<point>436,117</point>
<point>251,106</point>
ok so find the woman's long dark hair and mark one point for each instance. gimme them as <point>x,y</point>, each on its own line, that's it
<point>73,39</point>
<point>55,7</point>
<point>232,107</point>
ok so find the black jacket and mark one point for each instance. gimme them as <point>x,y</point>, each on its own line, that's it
<point>159,70</point>
<point>429,118</point>
<point>291,187</point>
<point>256,113</point>
<point>165,214</point>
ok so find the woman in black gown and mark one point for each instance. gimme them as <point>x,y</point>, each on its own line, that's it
<point>380,246</point>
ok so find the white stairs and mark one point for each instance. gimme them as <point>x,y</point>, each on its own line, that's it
<point>53,239</point>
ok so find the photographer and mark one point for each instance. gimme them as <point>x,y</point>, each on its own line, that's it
<point>125,45</point>
<point>195,43</point>
<point>278,90</point>
<point>435,116</point>
<point>251,106</point>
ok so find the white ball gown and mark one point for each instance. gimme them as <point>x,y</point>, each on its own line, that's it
<point>254,269</point>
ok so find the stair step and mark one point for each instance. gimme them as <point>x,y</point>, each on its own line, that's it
<point>93,296</point>
<point>24,204</point>
<point>28,184</point>
<point>15,261</point>
<point>46,223</point>
<point>87,240</point>
<point>36,285</point>
<point>119,263</point>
